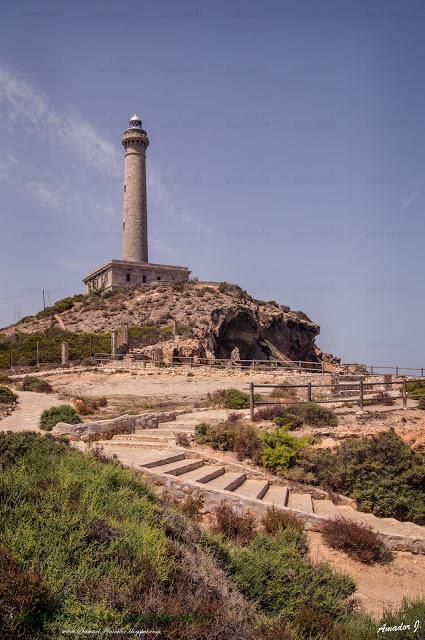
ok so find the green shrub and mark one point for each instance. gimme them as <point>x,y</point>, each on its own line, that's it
<point>272,573</point>
<point>356,540</point>
<point>415,387</point>
<point>235,399</point>
<point>309,413</point>
<point>315,415</point>
<point>62,413</point>
<point>7,396</point>
<point>280,449</point>
<point>382,473</point>
<point>91,548</point>
<point>32,383</point>
<point>219,436</point>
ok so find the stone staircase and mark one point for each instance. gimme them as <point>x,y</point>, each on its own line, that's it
<point>182,470</point>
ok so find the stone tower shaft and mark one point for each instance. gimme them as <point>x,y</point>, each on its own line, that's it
<point>135,222</point>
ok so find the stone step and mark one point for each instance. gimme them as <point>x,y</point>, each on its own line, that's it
<point>253,488</point>
<point>179,468</point>
<point>276,495</point>
<point>158,458</point>
<point>204,474</point>
<point>324,508</point>
<point>228,481</point>
<point>300,502</point>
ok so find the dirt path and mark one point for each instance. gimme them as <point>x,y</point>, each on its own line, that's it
<point>27,414</point>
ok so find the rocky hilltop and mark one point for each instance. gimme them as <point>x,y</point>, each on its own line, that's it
<point>208,319</point>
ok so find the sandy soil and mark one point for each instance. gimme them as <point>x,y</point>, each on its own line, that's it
<point>379,587</point>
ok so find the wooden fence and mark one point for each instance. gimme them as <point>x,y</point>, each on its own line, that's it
<point>361,387</point>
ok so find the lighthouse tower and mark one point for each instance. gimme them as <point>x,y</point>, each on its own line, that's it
<point>134,268</point>
<point>135,222</point>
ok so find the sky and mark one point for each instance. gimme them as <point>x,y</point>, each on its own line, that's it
<point>286,154</point>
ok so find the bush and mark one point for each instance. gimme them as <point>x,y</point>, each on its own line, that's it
<point>32,383</point>
<point>7,396</point>
<point>25,600</point>
<point>280,449</point>
<point>235,399</point>
<point>382,473</point>
<point>296,415</point>
<point>62,413</point>
<point>246,442</point>
<point>87,406</point>
<point>274,521</point>
<point>272,573</point>
<point>233,525</point>
<point>218,436</point>
<point>356,540</point>
<point>415,387</point>
<point>182,439</point>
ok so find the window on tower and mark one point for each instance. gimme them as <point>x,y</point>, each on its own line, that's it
<point>127,277</point>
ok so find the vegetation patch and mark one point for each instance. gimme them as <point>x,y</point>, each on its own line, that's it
<point>7,396</point>
<point>356,540</point>
<point>33,383</point>
<point>236,526</point>
<point>273,573</point>
<point>88,405</point>
<point>382,473</point>
<point>296,415</point>
<point>62,413</point>
<point>280,449</point>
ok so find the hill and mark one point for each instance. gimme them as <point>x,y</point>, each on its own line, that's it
<point>209,320</point>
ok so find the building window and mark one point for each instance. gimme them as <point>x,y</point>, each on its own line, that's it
<point>127,277</point>
<point>144,279</point>
<point>125,187</point>
<point>159,278</point>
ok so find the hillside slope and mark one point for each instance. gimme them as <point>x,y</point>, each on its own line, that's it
<point>211,320</point>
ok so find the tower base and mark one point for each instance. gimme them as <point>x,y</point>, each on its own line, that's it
<point>117,274</point>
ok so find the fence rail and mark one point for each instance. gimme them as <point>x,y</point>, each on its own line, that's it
<point>361,387</point>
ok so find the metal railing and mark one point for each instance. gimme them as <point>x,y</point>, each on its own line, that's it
<point>361,386</point>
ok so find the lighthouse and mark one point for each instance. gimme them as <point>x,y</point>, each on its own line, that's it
<point>134,268</point>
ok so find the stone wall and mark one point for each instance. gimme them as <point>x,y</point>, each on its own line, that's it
<point>106,429</point>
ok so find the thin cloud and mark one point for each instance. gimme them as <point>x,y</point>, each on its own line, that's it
<point>29,107</point>
<point>410,199</point>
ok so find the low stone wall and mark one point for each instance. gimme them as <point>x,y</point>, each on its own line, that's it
<point>106,429</point>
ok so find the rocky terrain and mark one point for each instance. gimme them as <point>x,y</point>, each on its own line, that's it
<point>207,319</point>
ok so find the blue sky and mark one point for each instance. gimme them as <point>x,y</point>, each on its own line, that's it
<point>287,153</point>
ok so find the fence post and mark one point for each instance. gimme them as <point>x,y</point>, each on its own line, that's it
<point>251,400</point>
<point>309,394</point>
<point>323,367</point>
<point>361,389</point>
<point>299,365</point>
<point>422,372</point>
<point>371,369</point>
<point>65,354</point>
<point>396,372</point>
<point>404,395</point>
<point>38,355</point>
<point>10,359</point>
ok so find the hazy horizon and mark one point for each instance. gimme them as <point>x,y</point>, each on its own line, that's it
<point>286,155</point>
